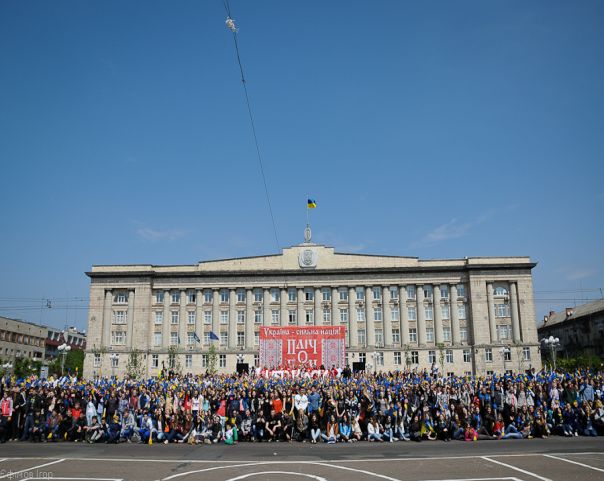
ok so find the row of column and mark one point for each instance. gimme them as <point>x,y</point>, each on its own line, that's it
<point>514,313</point>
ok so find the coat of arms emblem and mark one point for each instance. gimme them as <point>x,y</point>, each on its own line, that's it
<point>308,258</point>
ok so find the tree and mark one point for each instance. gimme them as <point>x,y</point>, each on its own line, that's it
<point>212,356</point>
<point>135,367</point>
<point>173,362</point>
<point>74,363</point>
<point>24,366</point>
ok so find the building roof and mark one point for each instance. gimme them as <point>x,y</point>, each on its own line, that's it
<point>577,312</point>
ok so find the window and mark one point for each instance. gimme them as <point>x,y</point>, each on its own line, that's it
<point>377,293</point>
<point>258,316</point>
<point>379,358</point>
<point>428,313</point>
<point>191,297</point>
<point>115,360</point>
<point>413,335</point>
<point>257,295</point>
<point>292,295</point>
<point>507,354</point>
<point>275,317</point>
<point>97,361</point>
<point>428,292</point>
<point>500,291</point>
<point>120,317</point>
<point>396,336</point>
<point>224,338</point>
<point>362,357</point>
<point>190,338</point>
<point>275,295</point>
<point>159,297</point>
<point>503,332</point>
<point>207,296</point>
<point>188,361</point>
<point>394,292</point>
<point>159,317</point>
<point>461,290</point>
<point>205,360</point>
<point>397,358</point>
<point>241,339</point>
<point>175,297</point>
<point>489,373</point>
<point>207,317</point>
<point>444,291</point>
<point>488,354</point>
<point>309,294</point>
<point>343,294</point>
<point>463,334</point>
<point>256,360</point>
<point>121,298</point>
<point>174,317</point>
<point>157,339</point>
<point>360,293</point>
<point>411,294</point>
<point>445,312</point>
<point>256,339</point>
<point>224,317</point>
<point>449,356</point>
<point>222,360</point>
<point>326,292</point>
<point>292,316</point>
<point>174,339</point>
<point>155,360</point>
<point>240,295</point>
<point>412,313</point>
<point>343,315</point>
<point>326,316</point>
<point>379,337</point>
<point>414,357</point>
<point>466,355</point>
<point>206,339</point>
<point>461,311</point>
<point>191,317</point>
<point>526,353</point>
<point>310,316</point>
<point>430,334</point>
<point>377,314</point>
<point>446,333</point>
<point>360,314</point>
<point>431,357</point>
<point>394,315</point>
<point>502,310</point>
<point>118,338</point>
<point>224,295</point>
<point>361,337</point>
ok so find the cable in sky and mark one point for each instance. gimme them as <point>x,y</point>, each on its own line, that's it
<point>230,23</point>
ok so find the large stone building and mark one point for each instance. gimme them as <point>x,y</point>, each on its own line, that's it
<point>472,315</point>
<point>20,338</point>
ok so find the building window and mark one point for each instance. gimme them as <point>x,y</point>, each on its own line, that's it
<point>343,293</point>
<point>379,358</point>
<point>190,338</point>
<point>159,317</point>
<point>431,357</point>
<point>461,290</point>
<point>174,340</point>
<point>121,298</point>
<point>120,317</point>
<point>206,339</point>
<point>445,312</point>
<point>379,337</point>
<point>397,358</point>
<point>463,334</point>
<point>411,293</point>
<point>429,334</point>
<point>155,361</point>
<point>191,317</point>
<point>159,297</point>
<point>361,337</point>
<point>97,361</point>
<point>207,296</point>
<point>446,333</point>
<point>360,314</point>
<point>343,315</point>
<point>240,295</point>
<point>115,360</point>
<point>240,339</point>
<point>413,335</point>
<point>175,297</point>
<point>377,293</point>
<point>205,360</point>
<point>292,295</point>
<point>326,292</point>
<point>428,313</point>
<point>224,296</point>
<point>507,354</point>
<point>191,297</point>
<point>503,332</point>
<point>188,361</point>
<point>488,354</point>
<point>377,314</point>
<point>310,316</point>
<point>326,316</point>
<point>174,317</point>
<point>157,339</point>
<point>224,338</point>
<point>309,294</point>
<point>224,317</point>
<point>258,316</point>
<point>502,310</point>
<point>461,311</point>
<point>256,339</point>
<point>256,360</point>
<point>412,313</point>
<point>118,338</point>
<point>292,316</point>
<point>449,356</point>
<point>444,291</point>
<point>275,295</point>
<point>466,355</point>
<point>394,315</point>
<point>360,293</point>
<point>207,317</point>
<point>396,336</point>
<point>500,291</point>
<point>257,295</point>
<point>222,360</point>
<point>414,357</point>
<point>526,353</point>
<point>428,292</point>
<point>275,317</point>
<point>394,293</point>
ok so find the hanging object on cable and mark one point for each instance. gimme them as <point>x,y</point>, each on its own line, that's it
<point>230,23</point>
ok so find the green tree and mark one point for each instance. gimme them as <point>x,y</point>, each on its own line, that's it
<point>135,367</point>
<point>74,363</point>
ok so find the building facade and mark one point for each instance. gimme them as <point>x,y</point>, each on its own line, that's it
<point>472,315</point>
<point>70,336</point>
<point>580,329</point>
<point>21,339</point>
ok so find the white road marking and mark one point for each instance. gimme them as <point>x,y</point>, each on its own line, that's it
<point>249,475</point>
<point>515,468</point>
<point>370,473</point>
<point>11,474</point>
<point>575,462</point>
<point>78,479</point>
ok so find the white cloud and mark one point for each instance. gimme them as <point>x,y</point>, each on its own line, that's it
<point>452,230</point>
<point>155,235</point>
<point>577,274</point>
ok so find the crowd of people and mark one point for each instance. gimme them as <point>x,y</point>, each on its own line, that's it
<point>340,407</point>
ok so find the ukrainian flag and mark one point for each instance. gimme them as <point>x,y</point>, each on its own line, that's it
<point>311,204</point>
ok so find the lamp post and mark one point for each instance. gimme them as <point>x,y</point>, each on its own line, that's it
<point>6,367</point>
<point>553,343</point>
<point>375,357</point>
<point>63,351</point>
<point>505,351</point>
<point>114,360</point>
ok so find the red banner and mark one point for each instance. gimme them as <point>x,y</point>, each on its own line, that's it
<point>312,346</point>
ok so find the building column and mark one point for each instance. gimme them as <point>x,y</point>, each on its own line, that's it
<point>165,328</point>
<point>199,317</point>
<point>421,316</point>
<point>335,294</point>
<point>249,320</point>
<point>404,315</point>
<point>318,307</point>
<point>232,319</point>
<point>182,319</point>
<point>438,321</point>
<point>491,307</point>
<point>216,314</point>
<point>353,334</point>
<point>266,308</point>
<point>387,318</point>
<point>369,322</point>
<point>516,332</point>
<point>301,313</point>
<point>456,336</point>
<point>130,319</point>
<point>283,314</point>
<point>107,311</point>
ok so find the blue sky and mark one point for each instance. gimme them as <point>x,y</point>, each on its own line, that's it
<point>440,129</point>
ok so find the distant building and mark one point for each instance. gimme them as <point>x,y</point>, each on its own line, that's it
<point>74,338</point>
<point>580,329</point>
<point>21,339</point>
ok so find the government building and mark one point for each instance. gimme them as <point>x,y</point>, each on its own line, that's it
<point>465,316</point>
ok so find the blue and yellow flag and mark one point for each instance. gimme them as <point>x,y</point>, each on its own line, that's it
<point>311,204</point>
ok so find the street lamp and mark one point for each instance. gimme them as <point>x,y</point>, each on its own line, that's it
<point>505,351</point>
<point>553,343</point>
<point>63,351</point>
<point>114,360</point>
<point>6,367</point>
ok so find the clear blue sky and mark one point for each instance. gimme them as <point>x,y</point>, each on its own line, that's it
<point>440,129</point>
